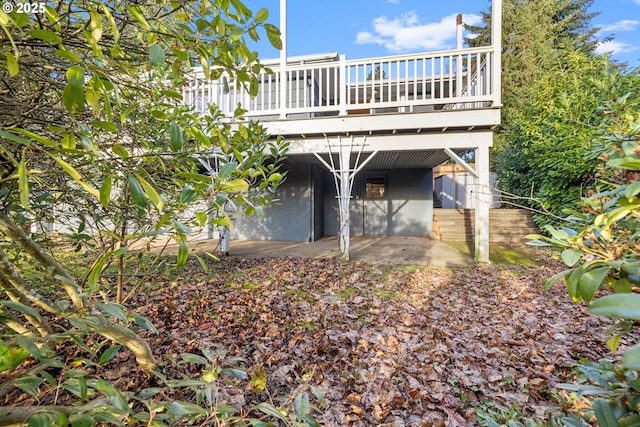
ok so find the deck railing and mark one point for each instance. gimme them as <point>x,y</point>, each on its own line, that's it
<point>418,82</point>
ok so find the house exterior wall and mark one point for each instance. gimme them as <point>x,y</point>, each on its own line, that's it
<point>290,220</point>
<point>308,207</point>
<point>458,190</point>
<point>407,209</point>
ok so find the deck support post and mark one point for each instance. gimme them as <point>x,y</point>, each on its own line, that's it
<point>344,199</point>
<point>344,176</point>
<point>483,199</point>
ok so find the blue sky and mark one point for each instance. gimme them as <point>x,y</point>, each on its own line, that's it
<point>371,28</point>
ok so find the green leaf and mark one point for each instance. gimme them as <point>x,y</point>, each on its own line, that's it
<point>188,194</point>
<point>138,16</point>
<point>137,193</point>
<point>238,374</point>
<point>234,186</point>
<point>12,65</point>
<point>145,323</point>
<point>11,356</point>
<point>156,53</point>
<point>80,420</point>
<point>181,228</point>
<point>41,139</point>
<point>40,419</point>
<point>68,141</point>
<point>269,409</point>
<point>625,163</point>
<point>236,34</point>
<point>96,26</point>
<point>146,393</point>
<point>46,35</point>
<point>75,175</point>
<point>105,191</point>
<point>120,151</point>
<point>21,308</point>
<point>186,409</point>
<point>193,358</point>
<point>591,281</point>
<point>177,137</point>
<point>571,256</point>
<point>151,193</point>
<point>622,286</point>
<point>227,169</point>
<point>15,138</point>
<point>73,93</point>
<point>172,94</point>
<point>203,265</point>
<point>114,310</point>
<point>572,281</point>
<point>23,184</point>
<point>109,354</point>
<point>114,27</point>
<point>96,272</point>
<point>108,418</point>
<point>301,404</point>
<point>183,253</point>
<point>604,413</point>
<point>613,342</point>
<point>626,306</point>
<point>632,190</point>
<point>201,217</point>
<point>27,344</point>
<point>555,277</point>
<point>108,126</point>
<point>273,34</point>
<point>262,15</point>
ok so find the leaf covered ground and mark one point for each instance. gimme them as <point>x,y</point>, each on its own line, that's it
<point>387,345</point>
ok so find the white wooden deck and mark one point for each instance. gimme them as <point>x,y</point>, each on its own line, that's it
<point>349,91</point>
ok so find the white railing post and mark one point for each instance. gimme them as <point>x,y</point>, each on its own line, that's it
<point>342,81</point>
<point>283,59</point>
<point>496,42</point>
<point>458,79</point>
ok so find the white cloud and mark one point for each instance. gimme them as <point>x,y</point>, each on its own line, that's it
<point>408,33</point>
<point>624,25</point>
<point>615,47</point>
<point>398,1</point>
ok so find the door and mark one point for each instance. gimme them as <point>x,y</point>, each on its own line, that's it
<point>375,210</point>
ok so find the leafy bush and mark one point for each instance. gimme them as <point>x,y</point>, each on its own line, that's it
<point>602,250</point>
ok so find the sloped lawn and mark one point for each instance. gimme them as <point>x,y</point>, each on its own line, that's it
<point>387,345</point>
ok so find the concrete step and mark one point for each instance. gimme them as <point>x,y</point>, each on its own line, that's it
<point>505,225</point>
<point>495,238</point>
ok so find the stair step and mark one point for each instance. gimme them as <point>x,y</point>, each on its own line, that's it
<point>505,225</point>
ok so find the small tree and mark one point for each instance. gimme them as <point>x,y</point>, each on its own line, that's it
<point>92,125</point>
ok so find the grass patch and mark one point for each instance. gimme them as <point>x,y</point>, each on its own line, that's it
<point>347,292</point>
<point>502,254</point>
<point>387,294</point>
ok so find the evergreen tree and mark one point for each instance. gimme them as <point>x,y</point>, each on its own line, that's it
<point>535,34</point>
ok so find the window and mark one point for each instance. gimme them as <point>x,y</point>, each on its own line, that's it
<point>375,188</point>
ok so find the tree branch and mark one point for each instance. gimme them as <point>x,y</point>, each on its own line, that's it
<point>15,233</point>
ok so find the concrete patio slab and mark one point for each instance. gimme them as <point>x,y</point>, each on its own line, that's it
<point>380,249</point>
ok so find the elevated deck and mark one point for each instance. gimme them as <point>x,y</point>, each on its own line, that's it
<point>328,95</point>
